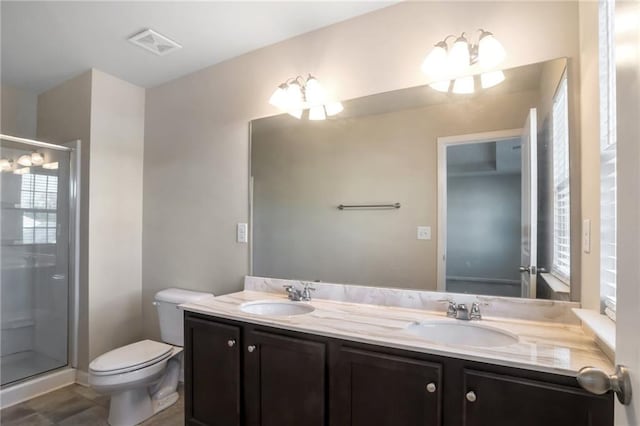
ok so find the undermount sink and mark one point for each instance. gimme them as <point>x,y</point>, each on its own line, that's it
<point>459,333</point>
<point>276,308</point>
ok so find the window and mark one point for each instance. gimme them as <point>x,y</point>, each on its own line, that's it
<point>38,199</point>
<point>561,264</point>
<point>608,172</point>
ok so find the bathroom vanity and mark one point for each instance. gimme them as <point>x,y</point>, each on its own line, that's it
<point>353,364</point>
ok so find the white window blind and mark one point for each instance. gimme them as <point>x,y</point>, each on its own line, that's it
<point>38,201</point>
<point>561,265</point>
<point>608,172</point>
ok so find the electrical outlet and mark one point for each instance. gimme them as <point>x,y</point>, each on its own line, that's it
<point>424,232</point>
<point>242,232</point>
<point>586,235</point>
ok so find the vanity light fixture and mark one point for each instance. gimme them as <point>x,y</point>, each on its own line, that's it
<point>6,164</point>
<point>37,159</point>
<point>297,94</point>
<point>443,64</point>
<point>25,160</point>
<point>50,166</point>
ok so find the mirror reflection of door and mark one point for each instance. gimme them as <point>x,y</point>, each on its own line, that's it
<point>529,209</point>
<point>483,214</point>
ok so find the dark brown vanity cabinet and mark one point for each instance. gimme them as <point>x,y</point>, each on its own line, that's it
<point>212,373</point>
<point>378,389</point>
<point>242,374</point>
<point>284,380</point>
<point>500,400</point>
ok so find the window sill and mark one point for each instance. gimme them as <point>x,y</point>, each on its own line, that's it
<point>601,327</point>
<point>556,285</point>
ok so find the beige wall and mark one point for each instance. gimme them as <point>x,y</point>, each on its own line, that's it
<point>18,111</point>
<point>590,150</point>
<point>64,115</point>
<point>107,115</point>
<point>115,213</point>
<point>302,172</point>
<point>196,137</point>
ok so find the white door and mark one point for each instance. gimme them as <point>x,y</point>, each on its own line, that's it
<point>529,206</point>
<point>627,51</point>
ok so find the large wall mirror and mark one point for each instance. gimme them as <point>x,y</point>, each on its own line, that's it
<point>416,188</point>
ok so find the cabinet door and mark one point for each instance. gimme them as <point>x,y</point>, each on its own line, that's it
<point>285,382</point>
<point>376,389</point>
<point>500,400</point>
<point>212,373</point>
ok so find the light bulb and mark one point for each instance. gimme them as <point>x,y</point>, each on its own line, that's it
<point>435,64</point>
<point>490,51</point>
<point>441,86</point>
<point>492,78</point>
<point>459,55</point>
<point>279,97</point>
<point>294,100</point>
<point>50,166</point>
<point>5,164</point>
<point>316,113</point>
<point>22,171</point>
<point>463,85</point>
<point>37,159</point>
<point>24,160</point>
<point>314,92</point>
<point>333,108</point>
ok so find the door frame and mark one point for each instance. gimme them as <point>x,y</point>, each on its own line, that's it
<point>443,143</point>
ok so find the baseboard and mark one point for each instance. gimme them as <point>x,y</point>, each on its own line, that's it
<point>35,387</point>
<point>82,378</point>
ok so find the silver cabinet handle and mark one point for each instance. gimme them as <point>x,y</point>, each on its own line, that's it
<point>231,343</point>
<point>251,348</point>
<point>471,396</point>
<point>431,387</point>
<point>598,382</point>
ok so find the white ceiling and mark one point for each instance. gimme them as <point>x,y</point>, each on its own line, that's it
<point>45,43</point>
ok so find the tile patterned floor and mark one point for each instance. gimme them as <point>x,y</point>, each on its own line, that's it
<point>76,405</point>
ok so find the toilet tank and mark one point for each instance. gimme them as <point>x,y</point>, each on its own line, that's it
<point>170,317</point>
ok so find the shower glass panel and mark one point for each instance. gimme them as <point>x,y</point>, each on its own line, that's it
<point>34,279</point>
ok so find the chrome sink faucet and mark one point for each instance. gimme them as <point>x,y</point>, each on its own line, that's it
<point>461,312</point>
<point>296,295</point>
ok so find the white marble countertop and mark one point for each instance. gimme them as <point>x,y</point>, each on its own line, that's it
<point>549,347</point>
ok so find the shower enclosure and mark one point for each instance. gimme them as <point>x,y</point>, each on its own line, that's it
<point>37,280</point>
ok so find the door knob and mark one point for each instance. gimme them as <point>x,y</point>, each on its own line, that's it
<point>251,348</point>
<point>529,269</point>
<point>598,382</point>
<point>231,343</point>
<point>431,387</point>
<point>471,396</point>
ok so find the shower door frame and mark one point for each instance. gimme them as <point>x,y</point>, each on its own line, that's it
<point>74,149</point>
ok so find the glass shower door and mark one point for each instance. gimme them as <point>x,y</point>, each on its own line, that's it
<point>34,255</point>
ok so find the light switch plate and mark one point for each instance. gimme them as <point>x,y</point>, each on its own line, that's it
<point>424,232</point>
<point>242,232</point>
<point>586,235</point>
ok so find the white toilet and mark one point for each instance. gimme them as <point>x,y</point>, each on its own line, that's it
<point>142,377</point>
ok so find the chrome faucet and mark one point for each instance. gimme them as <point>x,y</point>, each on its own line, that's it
<point>296,295</point>
<point>461,312</point>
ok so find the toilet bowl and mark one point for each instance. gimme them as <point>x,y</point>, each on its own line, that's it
<point>142,378</point>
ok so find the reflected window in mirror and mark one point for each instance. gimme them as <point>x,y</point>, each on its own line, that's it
<point>561,263</point>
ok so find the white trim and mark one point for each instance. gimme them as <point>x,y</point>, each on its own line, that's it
<point>82,378</point>
<point>601,327</point>
<point>35,143</point>
<point>443,143</point>
<point>35,387</point>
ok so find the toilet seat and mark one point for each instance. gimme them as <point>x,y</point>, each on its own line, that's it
<point>130,358</point>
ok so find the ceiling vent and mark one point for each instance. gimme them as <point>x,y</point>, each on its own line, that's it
<point>154,42</point>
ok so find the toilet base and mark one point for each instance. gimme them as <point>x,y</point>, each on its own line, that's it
<point>132,406</point>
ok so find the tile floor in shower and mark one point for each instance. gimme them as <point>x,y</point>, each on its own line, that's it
<point>77,405</point>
